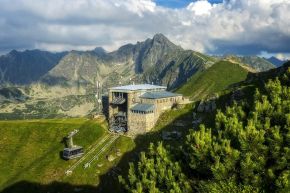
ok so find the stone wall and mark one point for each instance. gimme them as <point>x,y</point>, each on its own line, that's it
<point>140,123</point>
<point>110,106</point>
<point>166,103</point>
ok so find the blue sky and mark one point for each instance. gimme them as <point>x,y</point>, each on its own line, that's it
<point>179,3</point>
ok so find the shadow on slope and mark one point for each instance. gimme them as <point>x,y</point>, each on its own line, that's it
<point>54,187</point>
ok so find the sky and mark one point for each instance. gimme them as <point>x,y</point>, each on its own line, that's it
<point>244,27</point>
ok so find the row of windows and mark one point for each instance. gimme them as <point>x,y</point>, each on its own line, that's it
<point>141,112</point>
<point>158,100</point>
<point>166,100</point>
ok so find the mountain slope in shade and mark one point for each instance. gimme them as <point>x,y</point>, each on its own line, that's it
<point>277,62</point>
<point>176,68</point>
<point>28,66</point>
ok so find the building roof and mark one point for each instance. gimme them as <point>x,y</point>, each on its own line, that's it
<point>143,107</point>
<point>134,87</point>
<point>158,95</point>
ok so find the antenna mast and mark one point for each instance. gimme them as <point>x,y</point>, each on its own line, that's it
<point>98,95</point>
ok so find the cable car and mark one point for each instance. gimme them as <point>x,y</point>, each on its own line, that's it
<point>74,152</point>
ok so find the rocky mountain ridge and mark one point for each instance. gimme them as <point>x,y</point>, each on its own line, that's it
<point>69,79</point>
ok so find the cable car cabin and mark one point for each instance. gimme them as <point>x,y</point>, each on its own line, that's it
<point>72,153</point>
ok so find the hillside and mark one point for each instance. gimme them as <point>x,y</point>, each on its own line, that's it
<point>31,154</point>
<point>215,79</point>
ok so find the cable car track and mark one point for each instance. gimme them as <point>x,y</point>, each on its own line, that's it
<point>70,170</point>
<point>103,149</point>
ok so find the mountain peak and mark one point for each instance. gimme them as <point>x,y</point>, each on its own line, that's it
<point>276,61</point>
<point>160,36</point>
<point>13,52</point>
<point>160,39</point>
<point>100,50</point>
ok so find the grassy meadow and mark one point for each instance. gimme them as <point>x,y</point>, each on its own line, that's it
<point>31,154</point>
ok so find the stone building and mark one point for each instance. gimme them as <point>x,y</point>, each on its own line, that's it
<point>136,108</point>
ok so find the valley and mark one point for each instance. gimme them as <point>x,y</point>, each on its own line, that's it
<point>37,114</point>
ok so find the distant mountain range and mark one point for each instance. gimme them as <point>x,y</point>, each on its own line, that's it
<point>68,79</point>
<point>277,62</point>
<point>155,60</point>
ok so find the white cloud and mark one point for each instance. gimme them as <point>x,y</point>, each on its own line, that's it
<point>138,7</point>
<point>282,56</point>
<point>235,26</point>
<point>202,7</point>
<point>54,47</point>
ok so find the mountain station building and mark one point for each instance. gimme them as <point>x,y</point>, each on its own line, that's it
<point>135,109</point>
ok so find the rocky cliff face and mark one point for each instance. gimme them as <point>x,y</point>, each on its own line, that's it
<point>155,60</point>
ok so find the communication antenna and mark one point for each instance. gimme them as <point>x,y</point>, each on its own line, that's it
<point>132,81</point>
<point>99,95</point>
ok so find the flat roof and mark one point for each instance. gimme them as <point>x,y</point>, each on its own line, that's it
<point>134,87</point>
<point>159,94</point>
<point>143,107</point>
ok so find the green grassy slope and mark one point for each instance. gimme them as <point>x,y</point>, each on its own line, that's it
<point>30,151</point>
<point>215,79</point>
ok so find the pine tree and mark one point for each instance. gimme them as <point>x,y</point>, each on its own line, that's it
<point>156,172</point>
